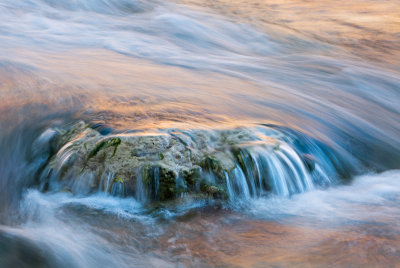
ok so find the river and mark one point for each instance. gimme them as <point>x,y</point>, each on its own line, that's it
<point>321,78</point>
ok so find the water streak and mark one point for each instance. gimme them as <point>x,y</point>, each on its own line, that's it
<point>319,79</point>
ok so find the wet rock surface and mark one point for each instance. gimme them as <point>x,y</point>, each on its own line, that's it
<point>218,164</point>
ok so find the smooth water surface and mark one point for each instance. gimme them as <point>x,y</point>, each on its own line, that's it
<point>326,69</point>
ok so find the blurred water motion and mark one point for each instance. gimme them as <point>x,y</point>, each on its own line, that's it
<point>365,28</point>
<point>327,69</point>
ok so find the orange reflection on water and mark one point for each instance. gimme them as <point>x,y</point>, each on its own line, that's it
<point>128,93</point>
<point>366,28</point>
<point>223,240</point>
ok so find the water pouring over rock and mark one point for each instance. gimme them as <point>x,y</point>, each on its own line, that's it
<point>224,164</point>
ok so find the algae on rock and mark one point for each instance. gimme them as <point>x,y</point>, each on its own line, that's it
<point>154,167</point>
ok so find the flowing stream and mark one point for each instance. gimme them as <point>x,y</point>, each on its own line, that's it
<point>287,110</point>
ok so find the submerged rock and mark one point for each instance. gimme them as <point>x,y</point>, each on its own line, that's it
<point>162,166</point>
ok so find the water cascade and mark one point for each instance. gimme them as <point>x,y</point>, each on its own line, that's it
<point>194,133</point>
<point>241,162</point>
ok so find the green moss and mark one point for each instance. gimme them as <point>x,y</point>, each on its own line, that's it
<point>113,142</point>
<point>214,191</point>
<point>160,183</point>
<point>118,179</point>
<point>167,185</point>
<point>192,176</point>
<point>210,164</point>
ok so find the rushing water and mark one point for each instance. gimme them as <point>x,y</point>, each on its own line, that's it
<point>323,75</point>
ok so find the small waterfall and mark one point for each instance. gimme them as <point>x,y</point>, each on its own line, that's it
<point>118,188</point>
<point>107,182</point>
<point>141,191</point>
<point>148,184</point>
<point>240,183</point>
<point>260,170</point>
<point>241,163</point>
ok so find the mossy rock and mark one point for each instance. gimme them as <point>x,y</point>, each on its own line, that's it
<point>160,183</point>
<point>192,176</point>
<point>218,164</point>
<point>214,191</point>
<point>168,165</point>
<point>104,144</point>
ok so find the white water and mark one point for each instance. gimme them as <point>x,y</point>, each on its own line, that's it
<point>368,198</point>
<point>75,231</point>
<point>331,72</point>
